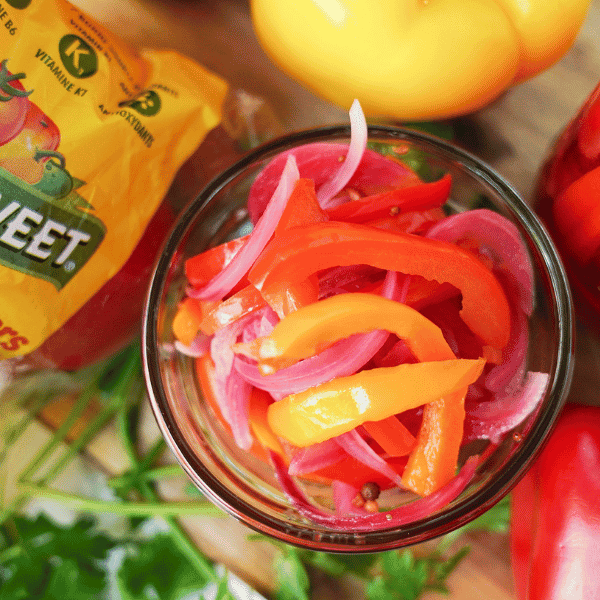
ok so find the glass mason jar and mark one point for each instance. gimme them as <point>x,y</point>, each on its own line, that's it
<point>245,485</point>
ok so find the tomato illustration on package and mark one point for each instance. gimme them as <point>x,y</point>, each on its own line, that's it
<point>92,133</point>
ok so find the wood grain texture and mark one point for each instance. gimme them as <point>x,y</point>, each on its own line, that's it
<point>513,134</point>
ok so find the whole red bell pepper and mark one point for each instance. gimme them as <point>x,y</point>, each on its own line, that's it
<point>555,514</point>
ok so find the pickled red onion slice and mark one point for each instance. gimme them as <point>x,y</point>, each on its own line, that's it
<point>355,446</point>
<point>232,392</point>
<point>494,418</point>
<point>500,241</point>
<point>358,144</point>
<point>220,285</point>
<point>508,375</point>
<point>343,498</point>
<point>315,457</point>
<point>408,513</point>
<point>199,347</point>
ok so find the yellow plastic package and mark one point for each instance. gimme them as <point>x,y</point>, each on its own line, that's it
<point>92,134</point>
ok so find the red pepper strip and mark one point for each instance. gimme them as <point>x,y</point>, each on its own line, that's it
<point>577,216</point>
<point>340,405</point>
<point>555,517</point>
<point>423,292</point>
<point>417,222</point>
<point>351,471</point>
<point>241,303</point>
<point>187,320</point>
<point>393,437</point>
<point>422,196</point>
<point>200,269</point>
<point>306,250</point>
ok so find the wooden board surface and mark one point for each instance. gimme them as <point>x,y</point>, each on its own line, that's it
<point>513,135</point>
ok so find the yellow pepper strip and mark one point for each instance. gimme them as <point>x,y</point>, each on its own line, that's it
<point>312,328</point>
<point>338,406</point>
<point>418,59</point>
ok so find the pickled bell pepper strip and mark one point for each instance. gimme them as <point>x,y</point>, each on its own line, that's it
<point>422,196</point>
<point>306,250</point>
<point>187,321</point>
<point>236,306</point>
<point>393,437</point>
<point>296,296</point>
<point>317,326</point>
<point>257,416</point>
<point>338,406</point>
<point>432,463</point>
<point>200,269</point>
<point>305,332</point>
<point>302,208</point>
<point>417,222</point>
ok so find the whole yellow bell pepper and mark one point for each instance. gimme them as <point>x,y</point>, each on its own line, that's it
<point>415,59</point>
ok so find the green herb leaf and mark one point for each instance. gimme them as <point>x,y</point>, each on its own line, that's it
<point>156,569</point>
<point>337,565</point>
<point>406,576</point>
<point>293,582</point>
<point>46,557</point>
<point>441,570</point>
<point>223,592</point>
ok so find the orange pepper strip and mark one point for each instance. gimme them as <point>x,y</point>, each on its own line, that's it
<point>301,293</point>
<point>312,328</point>
<point>433,461</point>
<point>186,322</point>
<point>259,404</point>
<point>237,305</point>
<point>393,437</point>
<point>306,250</point>
<point>340,405</point>
<point>422,292</point>
<point>302,207</point>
